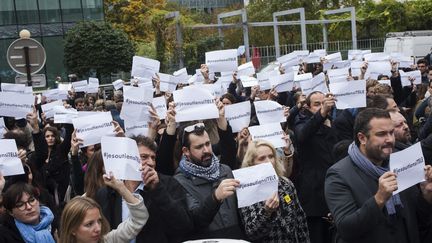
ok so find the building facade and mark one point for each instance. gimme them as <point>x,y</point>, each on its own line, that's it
<point>206,5</point>
<point>48,21</point>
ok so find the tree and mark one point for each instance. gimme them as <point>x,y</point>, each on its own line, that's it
<point>97,46</point>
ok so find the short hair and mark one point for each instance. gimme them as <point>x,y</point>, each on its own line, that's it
<point>19,136</point>
<point>422,61</point>
<point>362,121</point>
<point>184,136</point>
<point>14,193</point>
<point>56,133</point>
<point>110,105</point>
<point>384,89</point>
<point>377,101</point>
<point>146,142</point>
<point>228,96</point>
<point>308,98</point>
<point>371,83</point>
<point>251,154</point>
<point>79,100</point>
<point>73,216</point>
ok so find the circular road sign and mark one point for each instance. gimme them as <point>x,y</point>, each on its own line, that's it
<point>16,56</point>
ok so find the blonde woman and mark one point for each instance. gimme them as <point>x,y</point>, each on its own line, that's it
<point>280,218</point>
<point>82,219</point>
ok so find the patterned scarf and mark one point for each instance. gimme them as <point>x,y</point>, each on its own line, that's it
<point>39,233</point>
<point>375,172</point>
<point>210,173</point>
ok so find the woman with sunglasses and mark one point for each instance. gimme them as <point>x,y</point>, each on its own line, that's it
<point>26,220</point>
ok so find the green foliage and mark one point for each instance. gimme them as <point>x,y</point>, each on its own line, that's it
<point>194,52</point>
<point>97,46</point>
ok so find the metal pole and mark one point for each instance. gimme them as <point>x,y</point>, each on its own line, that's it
<point>325,37</point>
<point>245,34</point>
<point>28,67</point>
<point>353,28</point>
<point>220,32</point>
<point>276,36</point>
<point>303,28</point>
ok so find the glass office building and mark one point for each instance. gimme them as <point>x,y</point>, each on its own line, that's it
<point>48,21</point>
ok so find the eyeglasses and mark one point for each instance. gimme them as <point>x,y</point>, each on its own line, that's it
<point>191,128</point>
<point>23,205</point>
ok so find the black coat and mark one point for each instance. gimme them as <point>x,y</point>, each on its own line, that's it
<point>8,231</point>
<point>168,216</point>
<point>315,143</point>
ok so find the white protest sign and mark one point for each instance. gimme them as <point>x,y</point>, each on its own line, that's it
<point>340,72</point>
<point>376,57</point>
<point>121,157</point>
<point>312,58</point>
<point>10,164</point>
<point>246,69</point>
<point>272,133</point>
<point>15,104</point>
<point>194,103</point>
<point>87,113</point>
<point>92,88</point>
<point>2,127</point>
<point>181,75</point>
<point>320,52</point>
<point>238,115</point>
<point>55,94</point>
<point>264,80</point>
<point>92,128</point>
<point>136,128</point>
<point>335,57</point>
<point>144,67</point>
<point>377,68</point>
<point>283,82</point>
<point>291,58</point>
<point>63,86</point>
<point>168,83</point>
<point>357,54</point>
<point>48,108</point>
<point>269,111</point>
<point>14,88</point>
<point>93,81</point>
<point>408,165</point>
<point>137,101</point>
<point>257,183</point>
<point>351,94</point>
<point>317,83</point>
<point>406,76</point>
<point>80,86</point>
<point>159,104</point>
<point>223,60</point>
<point>118,84</point>
<point>248,81</point>
<point>356,68</point>
<point>302,77</point>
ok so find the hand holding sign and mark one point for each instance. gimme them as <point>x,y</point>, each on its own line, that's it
<point>226,188</point>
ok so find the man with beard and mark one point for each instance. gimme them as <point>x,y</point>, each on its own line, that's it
<point>209,183</point>
<point>402,135</point>
<point>359,188</point>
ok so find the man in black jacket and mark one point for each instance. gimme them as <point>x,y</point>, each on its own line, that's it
<point>315,139</point>
<point>358,189</point>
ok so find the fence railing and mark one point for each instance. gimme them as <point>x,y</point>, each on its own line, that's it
<point>268,53</point>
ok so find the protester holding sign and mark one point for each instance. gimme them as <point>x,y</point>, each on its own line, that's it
<point>315,140</point>
<point>280,218</point>
<point>359,189</point>
<point>51,156</point>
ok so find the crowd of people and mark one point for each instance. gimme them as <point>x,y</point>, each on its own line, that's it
<point>334,182</point>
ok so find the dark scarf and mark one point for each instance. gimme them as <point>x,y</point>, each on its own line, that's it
<point>210,173</point>
<point>375,172</point>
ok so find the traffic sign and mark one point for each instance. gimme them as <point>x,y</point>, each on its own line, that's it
<point>38,80</point>
<point>19,58</point>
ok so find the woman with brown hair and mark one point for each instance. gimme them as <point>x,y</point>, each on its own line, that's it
<point>82,220</point>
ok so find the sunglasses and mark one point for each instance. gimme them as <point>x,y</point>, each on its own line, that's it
<point>190,129</point>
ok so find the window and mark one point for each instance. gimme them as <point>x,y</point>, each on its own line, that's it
<point>49,11</point>
<point>54,63</point>
<point>71,10</point>
<point>93,9</point>
<point>7,14</point>
<point>27,11</point>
